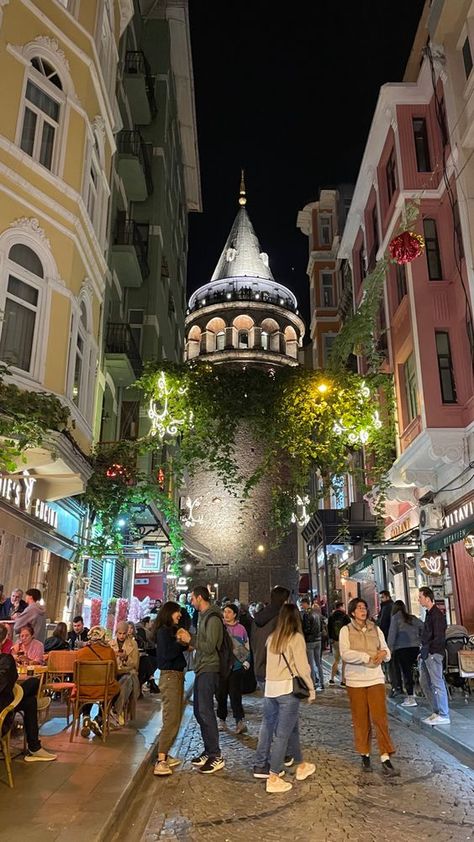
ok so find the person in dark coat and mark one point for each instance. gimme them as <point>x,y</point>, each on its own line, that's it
<point>12,605</point>
<point>263,624</point>
<point>28,705</point>
<point>392,670</point>
<point>58,639</point>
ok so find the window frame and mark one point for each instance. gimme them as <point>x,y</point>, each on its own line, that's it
<point>445,364</point>
<point>84,403</point>
<point>391,175</point>
<point>432,250</point>
<point>325,288</point>
<point>410,382</point>
<point>56,95</point>
<point>325,222</point>
<point>327,346</point>
<point>401,279</point>
<point>467,60</point>
<point>15,270</point>
<point>422,148</point>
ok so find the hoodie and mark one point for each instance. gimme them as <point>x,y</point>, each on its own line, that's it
<point>36,615</point>
<point>208,640</point>
<point>263,624</point>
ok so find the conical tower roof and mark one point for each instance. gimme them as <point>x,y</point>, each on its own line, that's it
<point>241,256</point>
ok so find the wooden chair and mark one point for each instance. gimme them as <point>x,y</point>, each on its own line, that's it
<point>93,674</point>
<point>5,738</point>
<point>60,667</point>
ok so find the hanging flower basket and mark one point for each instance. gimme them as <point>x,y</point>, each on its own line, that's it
<point>405,247</point>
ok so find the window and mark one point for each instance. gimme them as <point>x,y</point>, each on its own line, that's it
<point>411,391</point>
<point>19,324</point>
<point>106,45</point>
<point>422,151</point>
<point>458,230</point>
<point>375,229</point>
<point>41,113</point>
<point>135,321</point>
<point>265,340</point>
<point>327,289</point>
<point>362,268</point>
<point>467,57</point>
<point>325,229</point>
<point>445,367</point>
<point>401,277</point>
<point>391,175</point>
<point>220,340</point>
<point>81,340</point>
<point>243,339</point>
<point>328,341</point>
<point>81,363</point>
<point>93,184</point>
<point>432,250</point>
<point>338,492</point>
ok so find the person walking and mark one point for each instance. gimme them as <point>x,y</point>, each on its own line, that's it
<point>279,733</point>
<point>404,640</point>
<point>431,659</point>
<point>206,642</point>
<point>232,684</point>
<point>363,650</point>
<point>312,632</point>
<point>171,662</point>
<point>336,621</point>
<point>264,624</point>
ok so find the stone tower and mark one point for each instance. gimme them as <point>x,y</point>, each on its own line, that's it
<point>243,316</point>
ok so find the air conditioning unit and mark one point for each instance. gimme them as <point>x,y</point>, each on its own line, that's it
<point>431,517</point>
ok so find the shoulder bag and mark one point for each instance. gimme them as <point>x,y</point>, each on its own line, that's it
<point>300,688</point>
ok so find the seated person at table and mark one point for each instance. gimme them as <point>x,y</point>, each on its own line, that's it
<point>58,639</point>
<point>13,606</point>
<point>28,650</point>
<point>79,633</point>
<point>128,658</point>
<point>28,705</point>
<point>147,665</point>
<point>96,649</point>
<point>5,641</point>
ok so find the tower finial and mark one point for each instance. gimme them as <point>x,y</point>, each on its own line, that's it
<point>243,195</point>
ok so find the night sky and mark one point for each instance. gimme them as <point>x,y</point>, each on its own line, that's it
<point>289,97</point>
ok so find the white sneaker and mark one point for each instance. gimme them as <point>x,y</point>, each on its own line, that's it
<point>441,720</point>
<point>410,702</point>
<point>429,719</point>
<point>41,755</point>
<point>304,770</point>
<point>278,785</point>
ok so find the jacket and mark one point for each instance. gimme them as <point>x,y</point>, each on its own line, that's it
<point>385,616</point>
<point>356,647</point>
<point>8,678</point>
<point>55,644</point>
<point>169,652</point>
<point>128,657</point>
<point>312,626</point>
<point>263,624</point>
<point>433,634</point>
<point>73,636</point>
<point>7,608</point>
<point>208,640</point>
<point>98,652</point>
<point>403,635</point>
<point>36,615</point>
<point>295,654</point>
<point>336,621</point>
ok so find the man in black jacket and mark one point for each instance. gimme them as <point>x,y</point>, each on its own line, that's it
<point>13,605</point>
<point>392,669</point>
<point>431,659</point>
<point>312,630</point>
<point>336,621</point>
<point>28,706</point>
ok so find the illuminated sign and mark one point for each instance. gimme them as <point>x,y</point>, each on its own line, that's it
<point>19,492</point>
<point>460,514</point>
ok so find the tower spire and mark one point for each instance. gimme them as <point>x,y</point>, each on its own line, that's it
<point>242,195</point>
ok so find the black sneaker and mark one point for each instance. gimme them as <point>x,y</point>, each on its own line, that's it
<point>331,681</point>
<point>388,770</point>
<point>366,767</point>
<point>288,761</point>
<point>212,764</point>
<point>200,760</point>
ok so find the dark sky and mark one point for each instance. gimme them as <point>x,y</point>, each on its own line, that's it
<point>289,97</point>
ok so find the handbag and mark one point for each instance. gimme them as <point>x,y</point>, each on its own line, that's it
<point>300,688</point>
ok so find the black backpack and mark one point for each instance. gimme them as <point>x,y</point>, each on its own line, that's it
<point>225,651</point>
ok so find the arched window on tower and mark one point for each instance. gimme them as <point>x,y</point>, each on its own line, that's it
<point>265,339</point>
<point>243,339</point>
<point>220,340</point>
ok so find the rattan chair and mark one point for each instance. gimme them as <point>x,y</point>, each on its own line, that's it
<point>5,738</point>
<point>93,674</point>
<point>60,667</point>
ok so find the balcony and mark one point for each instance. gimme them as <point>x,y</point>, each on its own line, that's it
<point>139,86</point>
<point>130,254</point>
<point>247,294</point>
<point>134,166</point>
<point>122,356</point>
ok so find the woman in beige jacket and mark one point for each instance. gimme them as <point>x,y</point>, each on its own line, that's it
<point>280,706</point>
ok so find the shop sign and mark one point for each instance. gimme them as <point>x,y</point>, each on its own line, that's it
<point>459,514</point>
<point>432,565</point>
<point>361,564</point>
<point>19,492</point>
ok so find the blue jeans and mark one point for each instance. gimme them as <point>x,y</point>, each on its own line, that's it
<point>206,685</point>
<point>432,684</point>
<point>279,734</point>
<point>313,652</point>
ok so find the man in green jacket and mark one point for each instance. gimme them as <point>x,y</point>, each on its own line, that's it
<point>207,643</point>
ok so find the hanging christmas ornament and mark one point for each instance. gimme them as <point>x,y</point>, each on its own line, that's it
<point>115,471</point>
<point>406,246</point>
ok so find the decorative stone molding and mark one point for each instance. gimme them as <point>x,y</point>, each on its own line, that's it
<point>49,46</point>
<point>87,289</point>
<point>2,4</point>
<point>98,125</point>
<point>52,44</point>
<point>31,224</point>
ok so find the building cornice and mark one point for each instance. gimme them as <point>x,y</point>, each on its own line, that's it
<point>246,307</point>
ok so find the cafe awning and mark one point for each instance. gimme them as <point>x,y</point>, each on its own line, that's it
<point>449,536</point>
<point>359,565</point>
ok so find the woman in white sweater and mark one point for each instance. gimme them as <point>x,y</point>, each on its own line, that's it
<point>280,706</point>
<point>363,648</point>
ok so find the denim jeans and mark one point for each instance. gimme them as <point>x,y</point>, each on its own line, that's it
<point>432,684</point>
<point>313,652</point>
<point>206,685</point>
<point>279,734</point>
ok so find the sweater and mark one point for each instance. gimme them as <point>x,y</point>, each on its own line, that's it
<point>208,641</point>
<point>35,614</point>
<point>403,635</point>
<point>277,670</point>
<point>356,647</point>
<point>169,652</point>
<point>240,643</point>
<point>434,632</point>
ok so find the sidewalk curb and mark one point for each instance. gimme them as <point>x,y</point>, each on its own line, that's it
<point>124,804</point>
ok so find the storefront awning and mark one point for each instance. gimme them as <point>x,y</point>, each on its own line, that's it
<point>357,566</point>
<point>451,535</point>
<point>196,549</point>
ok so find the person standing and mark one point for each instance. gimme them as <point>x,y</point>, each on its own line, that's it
<point>286,656</point>
<point>312,631</point>
<point>383,621</point>
<point>34,613</point>
<point>363,650</point>
<point>336,621</point>
<point>232,685</point>
<point>171,662</point>
<point>206,642</point>
<point>431,659</point>
<point>264,624</point>
<point>404,639</point>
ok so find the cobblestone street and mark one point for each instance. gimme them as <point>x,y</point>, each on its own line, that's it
<point>433,798</point>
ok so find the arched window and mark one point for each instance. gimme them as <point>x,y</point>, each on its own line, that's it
<point>20,305</point>
<point>82,358</point>
<point>243,339</point>
<point>220,340</point>
<point>42,112</point>
<point>265,340</point>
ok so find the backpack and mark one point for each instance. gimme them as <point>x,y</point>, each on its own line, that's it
<point>225,651</point>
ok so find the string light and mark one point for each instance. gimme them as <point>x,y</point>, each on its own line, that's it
<point>162,423</point>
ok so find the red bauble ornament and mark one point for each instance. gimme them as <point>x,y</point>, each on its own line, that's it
<point>406,246</point>
<point>116,471</point>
